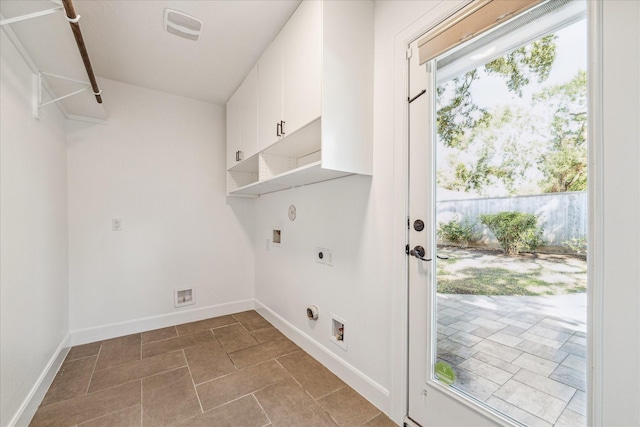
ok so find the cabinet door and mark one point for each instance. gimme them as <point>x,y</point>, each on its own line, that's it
<point>233,129</point>
<point>302,66</point>
<point>248,93</point>
<point>269,94</point>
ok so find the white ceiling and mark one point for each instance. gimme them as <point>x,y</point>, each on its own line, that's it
<point>126,42</point>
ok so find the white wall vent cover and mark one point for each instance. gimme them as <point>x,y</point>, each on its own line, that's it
<point>182,25</point>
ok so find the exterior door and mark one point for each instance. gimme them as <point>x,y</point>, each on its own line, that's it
<point>429,403</point>
<point>515,355</point>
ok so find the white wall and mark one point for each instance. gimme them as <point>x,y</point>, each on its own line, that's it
<point>343,216</point>
<point>621,216</point>
<point>34,293</point>
<point>159,166</point>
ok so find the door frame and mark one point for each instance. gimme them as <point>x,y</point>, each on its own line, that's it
<point>437,14</point>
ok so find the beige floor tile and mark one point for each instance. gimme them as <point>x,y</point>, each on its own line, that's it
<point>347,407</point>
<point>234,337</point>
<point>86,350</point>
<point>251,320</point>
<point>267,334</point>
<point>85,408</point>
<point>262,352</point>
<point>178,343</point>
<point>204,325</point>
<point>287,404</point>
<point>243,412</point>
<point>72,380</point>
<point>136,370</point>
<point>225,389</point>
<point>148,379</point>
<point>380,421</point>
<point>168,398</point>
<point>315,378</point>
<point>208,361</point>
<point>159,334</point>
<point>130,417</point>
<point>117,351</point>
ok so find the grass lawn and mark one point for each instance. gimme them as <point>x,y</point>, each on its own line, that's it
<point>482,272</point>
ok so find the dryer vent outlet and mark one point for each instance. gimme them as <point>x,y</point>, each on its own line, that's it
<point>312,312</point>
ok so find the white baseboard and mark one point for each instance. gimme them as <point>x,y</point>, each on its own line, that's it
<point>27,410</point>
<point>113,330</point>
<point>366,386</point>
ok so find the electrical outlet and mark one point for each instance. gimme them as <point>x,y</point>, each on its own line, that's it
<point>328,257</point>
<point>320,257</point>
<point>116,224</point>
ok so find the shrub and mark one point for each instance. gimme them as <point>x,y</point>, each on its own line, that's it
<point>515,231</point>
<point>579,246</point>
<point>458,231</point>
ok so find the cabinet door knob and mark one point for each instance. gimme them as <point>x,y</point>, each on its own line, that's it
<point>238,156</point>
<point>282,127</point>
<point>278,125</point>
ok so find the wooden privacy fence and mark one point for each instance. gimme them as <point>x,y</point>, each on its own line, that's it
<point>563,215</point>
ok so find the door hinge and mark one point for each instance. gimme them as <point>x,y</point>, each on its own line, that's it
<point>409,53</point>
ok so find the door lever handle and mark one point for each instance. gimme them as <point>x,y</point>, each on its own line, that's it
<point>419,252</point>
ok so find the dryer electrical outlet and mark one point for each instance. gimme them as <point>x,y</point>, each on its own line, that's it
<point>324,256</point>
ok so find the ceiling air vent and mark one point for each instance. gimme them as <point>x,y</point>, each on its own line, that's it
<point>182,25</point>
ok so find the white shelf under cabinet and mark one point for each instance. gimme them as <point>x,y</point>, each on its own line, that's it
<point>293,161</point>
<point>307,174</point>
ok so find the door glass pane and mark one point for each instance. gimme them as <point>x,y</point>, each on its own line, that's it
<point>511,219</point>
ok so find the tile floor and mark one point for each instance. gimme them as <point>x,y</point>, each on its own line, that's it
<point>524,356</point>
<point>235,370</point>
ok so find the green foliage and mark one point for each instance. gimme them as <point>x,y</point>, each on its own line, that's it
<point>564,165</point>
<point>460,113</point>
<point>511,150</point>
<point>495,156</point>
<point>515,231</point>
<point>576,245</point>
<point>457,112</point>
<point>458,231</point>
<point>524,63</point>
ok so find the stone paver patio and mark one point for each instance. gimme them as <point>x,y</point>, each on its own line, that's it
<point>522,355</point>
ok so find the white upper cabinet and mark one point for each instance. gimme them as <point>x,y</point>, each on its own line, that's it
<point>242,121</point>
<point>289,76</point>
<point>302,68</point>
<point>233,130</point>
<point>315,102</point>
<point>270,94</point>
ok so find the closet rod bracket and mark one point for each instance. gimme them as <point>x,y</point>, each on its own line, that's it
<point>37,92</point>
<point>31,15</point>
